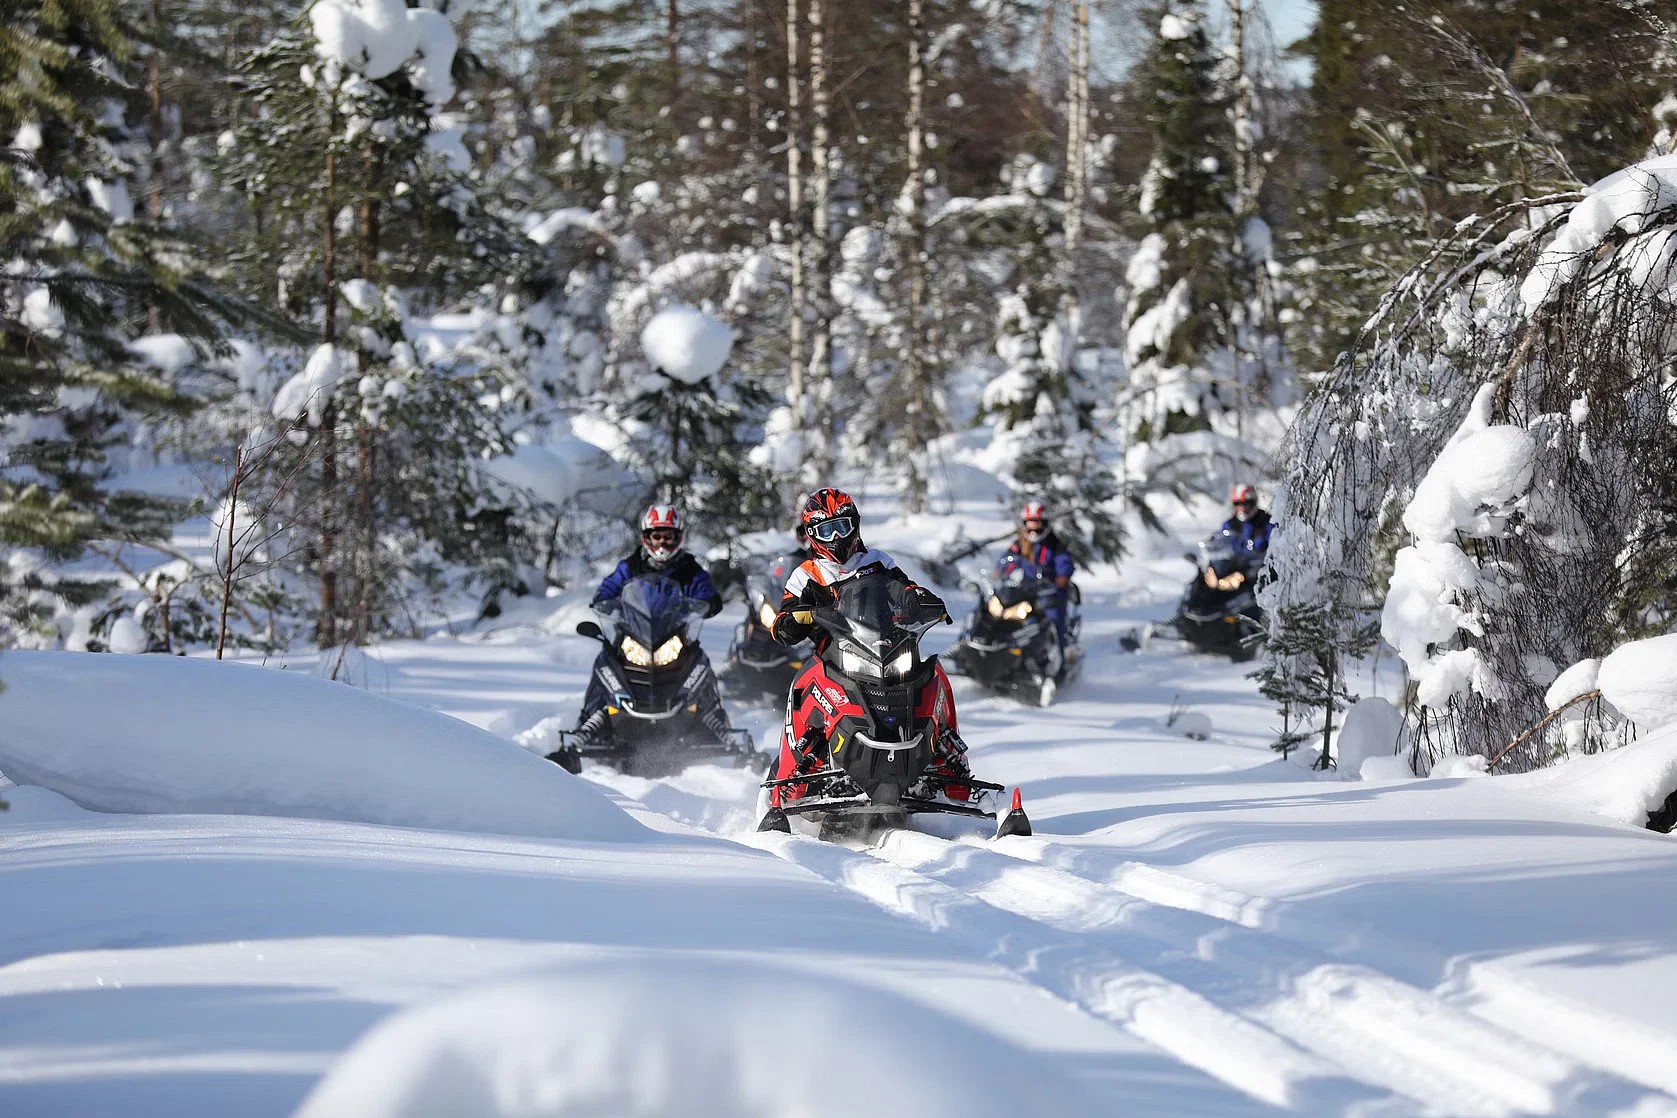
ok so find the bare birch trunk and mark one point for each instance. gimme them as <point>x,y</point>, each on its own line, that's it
<point>1247,345</point>
<point>672,39</point>
<point>821,261</point>
<point>366,437</point>
<point>327,631</point>
<point>1077,177</point>
<point>227,575</point>
<point>795,206</point>
<point>918,392</point>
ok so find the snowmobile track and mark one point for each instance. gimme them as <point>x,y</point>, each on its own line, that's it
<point>1542,1017</point>
<point>1258,1011</point>
<point>1378,1028</point>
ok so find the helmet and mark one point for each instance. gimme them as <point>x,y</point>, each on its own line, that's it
<point>834,524</point>
<point>1244,498</point>
<point>1033,520</point>
<point>661,532</point>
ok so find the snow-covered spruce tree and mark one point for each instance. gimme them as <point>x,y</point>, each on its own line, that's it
<point>689,421</point>
<point>1493,462</point>
<point>1179,279</point>
<point>351,170</point>
<point>1042,396</point>
<point>84,272</point>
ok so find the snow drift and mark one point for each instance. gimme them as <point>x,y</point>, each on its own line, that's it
<point>162,734</point>
<point>684,1037</point>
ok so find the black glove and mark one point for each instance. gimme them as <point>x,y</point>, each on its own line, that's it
<point>928,602</point>
<point>787,629</point>
<point>817,594</point>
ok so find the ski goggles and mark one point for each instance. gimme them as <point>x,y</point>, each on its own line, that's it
<point>1246,504</point>
<point>661,535</point>
<point>835,529</point>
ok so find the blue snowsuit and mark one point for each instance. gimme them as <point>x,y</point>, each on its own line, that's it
<point>1052,557</point>
<point>1249,538</point>
<point>685,570</point>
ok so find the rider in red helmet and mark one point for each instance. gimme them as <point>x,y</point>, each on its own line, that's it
<point>1040,545</point>
<point>1247,531</point>
<point>663,530</point>
<point>834,527</point>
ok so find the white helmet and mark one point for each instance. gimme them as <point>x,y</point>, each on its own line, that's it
<point>661,533</point>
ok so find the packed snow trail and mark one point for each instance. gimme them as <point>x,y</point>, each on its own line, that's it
<point>1297,1021</point>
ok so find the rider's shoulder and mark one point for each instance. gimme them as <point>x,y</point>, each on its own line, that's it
<point>871,558</point>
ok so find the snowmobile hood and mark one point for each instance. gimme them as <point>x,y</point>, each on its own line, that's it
<point>654,609</point>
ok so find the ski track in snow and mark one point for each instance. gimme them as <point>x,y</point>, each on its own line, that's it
<point>1222,981</point>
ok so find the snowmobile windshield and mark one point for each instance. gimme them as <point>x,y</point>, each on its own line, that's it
<point>876,608</point>
<point>654,609</point>
<point>1016,580</point>
<point>770,583</point>
<point>1220,555</point>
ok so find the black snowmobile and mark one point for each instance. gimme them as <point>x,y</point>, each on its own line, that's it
<point>757,663</point>
<point>1009,643</point>
<point>857,752</point>
<point>1225,618</point>
<point>656,690</point>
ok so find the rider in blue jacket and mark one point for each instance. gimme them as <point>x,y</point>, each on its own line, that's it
<point>1247,531</point>
<point>660,553</point>
<point>1038,544</point>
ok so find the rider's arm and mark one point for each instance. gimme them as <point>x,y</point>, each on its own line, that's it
<point>1064,568</point>
<point>701,588</point>
<point>611,587</point>
<point>929,601</point>
<point>801,592</point>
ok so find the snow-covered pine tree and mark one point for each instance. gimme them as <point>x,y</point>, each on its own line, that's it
<point>1493,462</point>
<point>689,421</point>
<point>84,271</point>
<point>1180,296</point>
<point>351,170</point>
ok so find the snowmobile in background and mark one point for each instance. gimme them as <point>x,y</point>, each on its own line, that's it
<point>1219,608</point>
<point>866,720</point>
<point>757,663</point>
<point>1009,643</point>
<point>657,690</point>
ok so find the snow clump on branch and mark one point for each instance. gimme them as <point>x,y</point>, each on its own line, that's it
<point>375,38</point>
<point>687,344</point>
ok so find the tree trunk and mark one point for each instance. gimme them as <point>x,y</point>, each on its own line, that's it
<point>821,260</point>
<point>154,170</point>
<point>918,390</point>
<point>1248,326</point>
<point>672,40</point>
<point>795,206</point>
<point>366,436</point>
<point>327,630</point>
<point>1077,179</point>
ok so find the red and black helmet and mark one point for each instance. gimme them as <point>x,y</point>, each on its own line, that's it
<point>1244,499</point>
<point>834,524</point>
<point>662,531</point>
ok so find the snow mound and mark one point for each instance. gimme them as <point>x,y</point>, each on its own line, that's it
<point>167,734</point>
<point>1622,784</point>
<point>687,344</point>
<point>683,1037</point>
<point>1373,728</point>
<point>1640,679</point>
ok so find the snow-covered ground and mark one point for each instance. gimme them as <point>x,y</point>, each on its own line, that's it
<point>325,903</point>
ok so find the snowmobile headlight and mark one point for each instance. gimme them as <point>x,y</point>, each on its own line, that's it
<point>667,652</point>
<point>995,606</point>
<point>635,652</point>
<point>903,664</point>
<point>765,615</point>
<point>1017,612</point>
<point>857,665</point>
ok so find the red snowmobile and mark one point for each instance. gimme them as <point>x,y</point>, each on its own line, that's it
<point>870,724</point>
